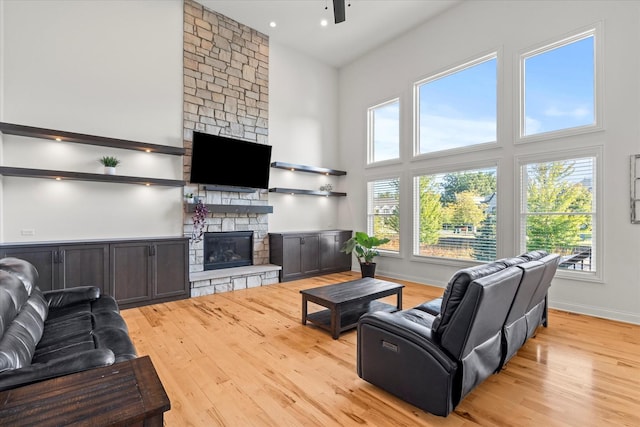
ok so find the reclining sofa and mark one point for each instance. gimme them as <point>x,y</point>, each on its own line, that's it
<point>49,334</point>
<point>434,354</point>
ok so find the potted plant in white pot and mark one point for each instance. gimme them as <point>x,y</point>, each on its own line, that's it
<point>109,163</point>
<point>364,247</point>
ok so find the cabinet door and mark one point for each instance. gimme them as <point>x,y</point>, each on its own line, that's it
<point>131,272</point>
<point>310,246</point>
<point>171,272</point>
<point>328,249</point>
<point>291,257</point>
<point>84,265</point>
<point>343,260</point>
<point>43,258</point>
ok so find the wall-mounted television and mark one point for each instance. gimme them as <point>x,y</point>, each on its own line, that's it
<point>224,161</point>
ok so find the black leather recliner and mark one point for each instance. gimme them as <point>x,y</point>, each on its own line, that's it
<point>434,354</point>
<point>49,334</point>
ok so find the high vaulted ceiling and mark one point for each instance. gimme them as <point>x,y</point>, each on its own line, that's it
<point>369,23</point>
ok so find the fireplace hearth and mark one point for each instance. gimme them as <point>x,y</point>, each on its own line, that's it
<point>228,249</point>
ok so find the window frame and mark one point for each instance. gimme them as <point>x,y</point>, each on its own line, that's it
<point>597,32</point>
<point>451,168</point>
<point>450,70</point>
<point>370,214</point>
<point>597,154</point>
<point>370,161</point>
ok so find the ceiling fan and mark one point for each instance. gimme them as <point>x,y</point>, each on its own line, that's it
<point>339,10</point>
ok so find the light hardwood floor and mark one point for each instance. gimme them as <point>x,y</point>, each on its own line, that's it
<point>243,358</point>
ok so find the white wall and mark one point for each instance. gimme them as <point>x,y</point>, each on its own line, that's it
<point>303,129</point>
<point>465,32</point>
<point>107,68</point>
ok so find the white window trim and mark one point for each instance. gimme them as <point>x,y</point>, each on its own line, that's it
<point>370,133</point>
<point>416,154</point>
<point>597,31</point>
<point>399,177</point>
<point>451,168</point>
<point>597,153</point>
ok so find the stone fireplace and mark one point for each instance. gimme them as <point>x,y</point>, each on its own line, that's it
<point>226,92</point>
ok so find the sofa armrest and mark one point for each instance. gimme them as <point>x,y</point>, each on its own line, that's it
<point>395,352</point>
<point>56,368</point>
<point>63,297</point>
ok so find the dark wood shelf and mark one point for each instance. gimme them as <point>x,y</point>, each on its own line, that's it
<point>82,176</point>
<point>79,138</point>
<point>229,188</point>
<point>349,318</point>
<point>237,209</point>
<point>303,168</point>
<point>306,192</point>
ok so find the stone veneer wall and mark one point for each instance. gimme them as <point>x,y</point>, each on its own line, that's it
<point>226,81</point>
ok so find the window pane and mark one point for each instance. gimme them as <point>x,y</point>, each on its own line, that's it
<point>384,125</point>
<point>384,214</point>
<point>455,214</point>
<point>559,88</point>
<point>458,109</point>
<point>559,210</point>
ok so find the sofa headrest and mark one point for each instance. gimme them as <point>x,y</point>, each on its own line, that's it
<point>534,255</point>
<point>22,269</point>
<point>456,289</point>
<point>13,288</point>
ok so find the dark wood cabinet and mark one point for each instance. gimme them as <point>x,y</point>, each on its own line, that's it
<point>306,254</point>
<point>65,266</point>
<point>134,272</point>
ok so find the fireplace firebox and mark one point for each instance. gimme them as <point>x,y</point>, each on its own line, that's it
<point>228,249</point>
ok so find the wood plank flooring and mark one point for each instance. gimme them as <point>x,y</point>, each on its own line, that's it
<point>243,358</point>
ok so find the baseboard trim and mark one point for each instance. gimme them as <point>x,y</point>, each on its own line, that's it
<point>620,316</point>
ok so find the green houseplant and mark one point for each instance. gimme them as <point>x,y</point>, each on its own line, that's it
<point>364,247</point>
<point>109,163</point>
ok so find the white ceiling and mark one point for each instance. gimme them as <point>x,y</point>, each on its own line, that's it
<point>369,23</point>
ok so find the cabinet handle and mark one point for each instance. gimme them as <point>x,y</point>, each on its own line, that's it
<point>152,250</point>
<point>302,240</point>
<point>61,257</point>
<point>56,257</point>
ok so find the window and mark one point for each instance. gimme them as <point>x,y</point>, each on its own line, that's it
<point>457,108</point>
<point>383,209</point>
<point>455,214</point>
<point>558,210</point>
<point>559,86</point>
<point>384,131</point>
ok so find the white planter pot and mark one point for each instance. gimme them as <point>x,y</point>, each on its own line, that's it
<point>109,170</point>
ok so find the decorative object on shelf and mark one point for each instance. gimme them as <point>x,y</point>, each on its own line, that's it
<point>364,246</point>
<point>189,197</point>
<point>199,221</point>
<point>109,163</point>
<point>326,187</point>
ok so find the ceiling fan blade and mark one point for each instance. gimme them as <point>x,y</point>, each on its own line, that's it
<point>339,11</point>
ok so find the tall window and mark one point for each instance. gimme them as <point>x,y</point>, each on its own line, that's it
<point>457,108</point>
<point>558,210</point>
<point>383,207</point>
<point>384,131</point>
<point>558,86</point>
<point>455,214</point>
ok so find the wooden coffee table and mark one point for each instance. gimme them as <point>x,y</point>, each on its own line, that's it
<point>347,301</point>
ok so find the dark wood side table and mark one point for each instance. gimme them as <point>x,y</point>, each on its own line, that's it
<point>347,301</point>
<point>124,394</point>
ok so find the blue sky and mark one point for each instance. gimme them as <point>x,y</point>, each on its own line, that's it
<point>459,109</point>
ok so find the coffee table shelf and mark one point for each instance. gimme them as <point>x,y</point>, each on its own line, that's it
<point>348,320</point>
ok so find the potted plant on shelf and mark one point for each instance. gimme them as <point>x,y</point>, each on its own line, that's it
<point>190,198</point>
<point>364,246</point>
<point>109,163</point>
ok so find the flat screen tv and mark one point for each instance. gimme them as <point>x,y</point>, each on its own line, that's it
<point>219,160</point>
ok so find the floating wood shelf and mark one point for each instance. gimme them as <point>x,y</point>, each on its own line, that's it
<point>304,168</point>
<point>307,192</point>
<point>81,176</point>
<point>236,209</point>
<point>229,188</point>
<point>79,138</point>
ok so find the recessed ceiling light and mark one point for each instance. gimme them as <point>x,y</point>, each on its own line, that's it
<point>272,24</point>
<point>324,22</point>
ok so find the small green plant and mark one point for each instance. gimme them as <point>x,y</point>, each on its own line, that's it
<point>189,195</point>
<point>364,246</point>
<point>109,161</point>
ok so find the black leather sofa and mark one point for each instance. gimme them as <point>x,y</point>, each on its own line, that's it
<point>49,334</point>
<point>434,354</point>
